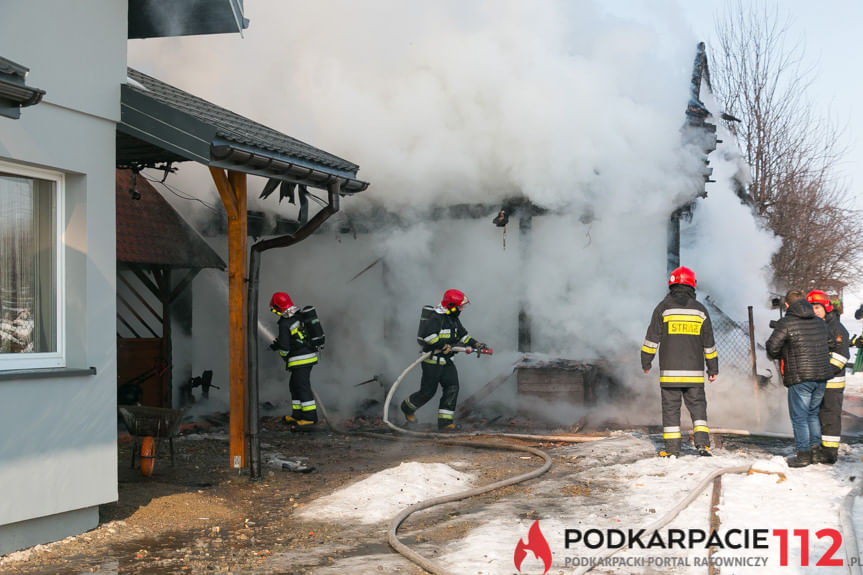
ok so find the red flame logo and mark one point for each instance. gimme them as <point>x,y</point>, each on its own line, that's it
<point>535,542</point>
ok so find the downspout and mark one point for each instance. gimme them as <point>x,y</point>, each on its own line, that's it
<point>254,273</point>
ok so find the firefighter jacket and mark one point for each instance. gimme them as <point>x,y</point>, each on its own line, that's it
<point>293,343</point>
<point>680,330</point>
<point>802,341</point>
<point>444,327</point>
<point>840,354</point>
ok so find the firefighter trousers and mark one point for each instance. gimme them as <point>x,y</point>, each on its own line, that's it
<point>696,403</point>
<point>447,376</point>
<point>302,399</point>
<point>831,417</point>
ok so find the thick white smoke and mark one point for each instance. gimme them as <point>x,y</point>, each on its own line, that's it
<point>445,103</point>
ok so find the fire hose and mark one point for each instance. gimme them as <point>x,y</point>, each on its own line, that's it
<point>664,520</point>
<point>849,536</point>
<point>392,536</point>
<point>845,512</point>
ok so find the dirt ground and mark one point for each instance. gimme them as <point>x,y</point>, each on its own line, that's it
<point>200,516</point>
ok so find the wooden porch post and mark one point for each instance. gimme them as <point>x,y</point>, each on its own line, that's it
<point>232,189</point>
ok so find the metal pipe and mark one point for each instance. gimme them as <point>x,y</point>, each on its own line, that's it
<point>754,366</point>
<point>254,275</point>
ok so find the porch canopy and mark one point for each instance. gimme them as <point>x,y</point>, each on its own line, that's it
<point>157,252</point>
<point>161,124</point>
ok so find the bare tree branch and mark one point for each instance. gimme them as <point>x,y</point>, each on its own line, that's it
<point>793,153</point>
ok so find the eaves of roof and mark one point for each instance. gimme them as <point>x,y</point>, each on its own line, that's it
<point>179,126</point>
<point>14,93</point>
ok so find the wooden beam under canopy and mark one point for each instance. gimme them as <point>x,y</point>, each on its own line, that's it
<point>232,190</point>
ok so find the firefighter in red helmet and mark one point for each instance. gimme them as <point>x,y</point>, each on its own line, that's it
<point>439,331</point>
<point>830,413</point>
<point>681,332</point>
<point>295,347</point>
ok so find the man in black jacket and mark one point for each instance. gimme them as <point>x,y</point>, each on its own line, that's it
<point>801,341</point>
<point>831,408</point>
<point>681,331</point>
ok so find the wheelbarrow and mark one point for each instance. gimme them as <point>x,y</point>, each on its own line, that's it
<point>150,426</point>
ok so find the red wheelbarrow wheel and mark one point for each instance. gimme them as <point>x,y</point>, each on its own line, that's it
<point>148,456</point>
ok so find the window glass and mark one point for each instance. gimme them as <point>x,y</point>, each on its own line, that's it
<point>29,318</point>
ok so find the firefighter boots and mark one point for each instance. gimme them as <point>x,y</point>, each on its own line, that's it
<point>672,447</point>
<point>801,459</point>
<point>816,454</point>
<point>410,414</point>
<point>828,455</point>
<point>446,427</point>
<point>704,451</point>
<point>304,425</point>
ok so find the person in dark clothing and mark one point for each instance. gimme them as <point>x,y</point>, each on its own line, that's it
<point>440,330</point>
<point>802,342</point>
<point>300,357</point>
<point>830,413</point>
<point>681,331</point>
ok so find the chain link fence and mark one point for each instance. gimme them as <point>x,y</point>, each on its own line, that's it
<point>734,345</point>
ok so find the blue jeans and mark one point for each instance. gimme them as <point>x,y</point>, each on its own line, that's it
<point>804,401</point>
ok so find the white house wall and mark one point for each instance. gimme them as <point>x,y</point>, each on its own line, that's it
<point>58,450</point>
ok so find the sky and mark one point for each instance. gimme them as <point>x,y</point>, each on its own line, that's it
<point>829,35</point>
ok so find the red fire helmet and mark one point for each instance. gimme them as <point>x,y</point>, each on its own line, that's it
<point>682,275</point>
<point>819,297</point>
<point>280,302</point>
<point>454,298</point>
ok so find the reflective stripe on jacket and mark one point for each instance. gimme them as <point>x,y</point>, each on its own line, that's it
<point>681,333</point>
<point>441,329</point>
<point>841,352</point>
<point>294,346</point>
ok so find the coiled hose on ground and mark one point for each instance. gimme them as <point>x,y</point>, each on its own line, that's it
<point>845,513</point>
<point>392,535</point>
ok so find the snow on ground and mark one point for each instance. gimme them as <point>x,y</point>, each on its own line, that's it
<point>383,495</point>
<point>854,385</point>
<point>619,484</point>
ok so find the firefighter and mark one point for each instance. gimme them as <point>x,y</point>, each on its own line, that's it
<point>830,413</point>
<point>680,330</point>
<point>440,330</point>
<point>300,355</point>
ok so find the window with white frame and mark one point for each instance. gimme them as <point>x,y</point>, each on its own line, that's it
<point>31,268</point>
